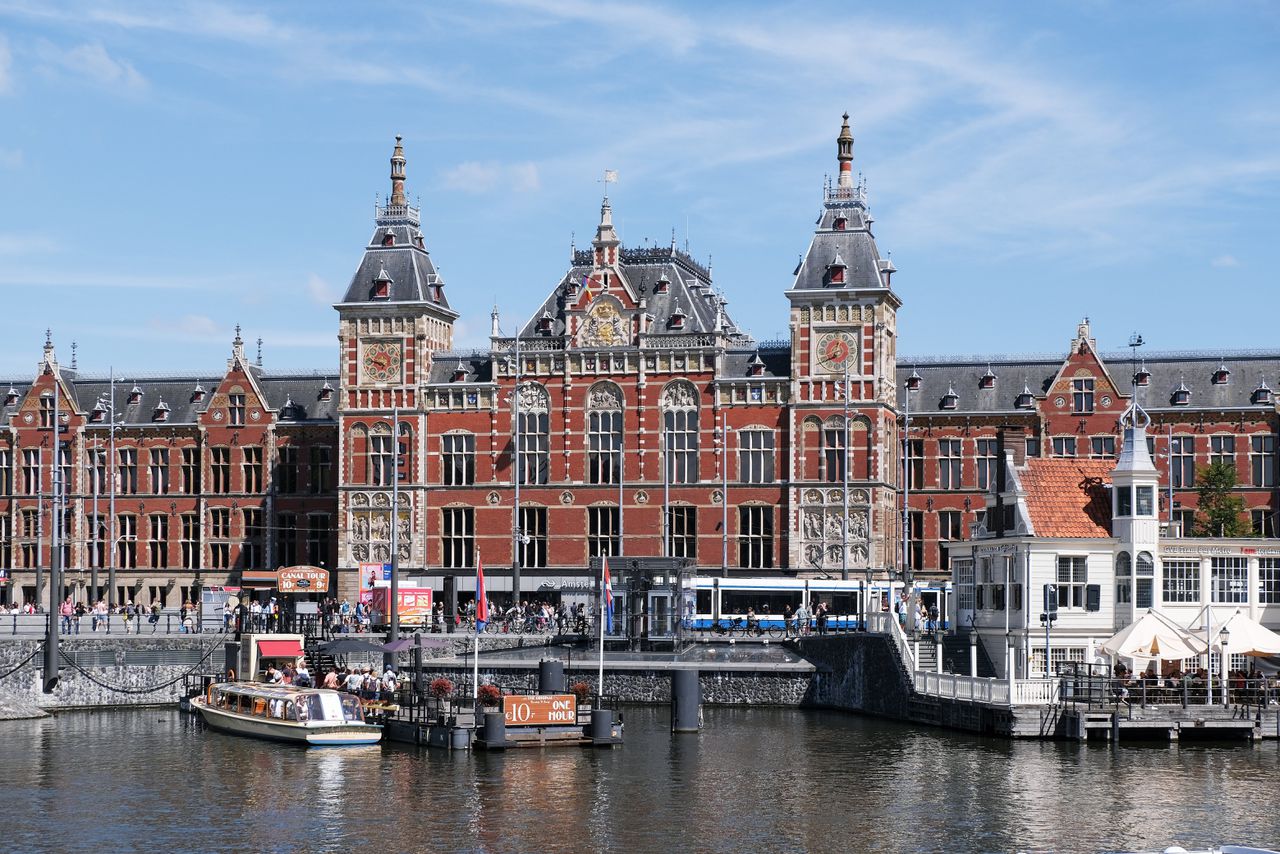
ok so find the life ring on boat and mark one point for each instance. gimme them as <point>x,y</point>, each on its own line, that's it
<point>231,674</point>
<point>209,695</point>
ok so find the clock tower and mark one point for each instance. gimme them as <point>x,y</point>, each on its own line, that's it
<point>392,320</point>
<point>844,426</point>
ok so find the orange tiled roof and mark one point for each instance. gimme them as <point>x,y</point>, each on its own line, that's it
<point>1067,497</point>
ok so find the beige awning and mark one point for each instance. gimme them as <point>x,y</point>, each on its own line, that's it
<point>1153,636</point>
<point>1245,636</point>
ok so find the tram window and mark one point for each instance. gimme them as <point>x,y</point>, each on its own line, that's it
<point>763,602</point>
<point>704,601</point>
<point>844,603</point>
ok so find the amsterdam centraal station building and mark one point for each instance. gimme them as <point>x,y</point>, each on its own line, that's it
<point>631,415</point>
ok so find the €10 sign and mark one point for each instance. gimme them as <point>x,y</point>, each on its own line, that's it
<point>540,709</point>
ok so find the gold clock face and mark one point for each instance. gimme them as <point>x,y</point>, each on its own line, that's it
<point>836,350</point>
<point>381,361</point>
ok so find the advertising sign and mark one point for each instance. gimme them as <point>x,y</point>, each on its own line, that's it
<point>302,579</point>
<point>540,709</point>
<point>415,605</point>
<point>373,575</point>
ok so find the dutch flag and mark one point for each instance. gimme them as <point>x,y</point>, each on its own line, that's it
<point>482,601</point>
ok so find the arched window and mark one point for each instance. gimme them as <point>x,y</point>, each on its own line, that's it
<point>1145,584</point>
<point>604,433</point>
<point>1124,581</point>
<point>359,454</point>
<point>810,448</point>
<point>680,432</point>
<point>534,427</point>
<point>833,449</point>
<point>382,467</point>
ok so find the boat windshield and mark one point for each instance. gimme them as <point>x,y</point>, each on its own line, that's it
<point>351,709</point>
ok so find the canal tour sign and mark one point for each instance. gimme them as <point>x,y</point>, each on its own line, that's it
<point>302,579</point>
<point>540,709</point>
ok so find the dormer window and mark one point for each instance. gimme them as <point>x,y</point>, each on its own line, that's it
<point>1142,376</point>
<point>663,285</point>
<point>756,366</point>
<point>840,223</point>
<point>835,271</point>
<point>161,412</point>
<point>544,322</point>
<point>98,412</point>
<point>1181,395</point>
<point>914,381</point>
<point>1221,375</point>
<point>11,396</point>
<point>135,396</point>
<point>987,380</point>
<point>677,318</point>
<point>459,372</point>
<point>389,238</point>
<point>1262,394</point>
<point>950,400</point>
<point>1025,400</point>
<point>197,393</point>
<point>326,391</point>
<point>381,285</point>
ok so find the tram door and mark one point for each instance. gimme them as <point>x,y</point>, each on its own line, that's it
<point>661,623</point>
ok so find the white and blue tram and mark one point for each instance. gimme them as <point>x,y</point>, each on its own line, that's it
<point>721,601</point>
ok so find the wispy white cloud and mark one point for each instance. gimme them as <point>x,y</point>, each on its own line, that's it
<point>1225,261</point>
<point>320,291</point>
<point>481,177</point>
<point>54,277</point>
<point>92,62</point>
<point>30,243</point>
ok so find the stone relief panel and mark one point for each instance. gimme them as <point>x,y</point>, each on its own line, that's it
<point>369,528</point>
<point>825,529</point>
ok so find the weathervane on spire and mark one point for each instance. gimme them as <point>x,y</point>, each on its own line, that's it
<point>610,177</point>
<point>1134,411</point>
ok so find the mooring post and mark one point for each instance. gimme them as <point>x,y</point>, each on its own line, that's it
<point>550,676</point>
<point>686,701</point>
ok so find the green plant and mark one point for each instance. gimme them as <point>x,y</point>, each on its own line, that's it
<point>1220,513</point>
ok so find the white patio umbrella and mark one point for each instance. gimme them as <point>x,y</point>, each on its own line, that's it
<point>1248,636</point>
<point>1153,636</point>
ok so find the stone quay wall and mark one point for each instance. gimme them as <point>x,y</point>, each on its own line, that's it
<point>106,673</point>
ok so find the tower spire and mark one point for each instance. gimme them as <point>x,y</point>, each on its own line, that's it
<point>397,174</point>
<point>844,153</point>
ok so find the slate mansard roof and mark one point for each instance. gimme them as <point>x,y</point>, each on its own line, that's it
<point>302,393</point>
<point>939,375</point>
<point>406,262</point>
<point>843,237</point>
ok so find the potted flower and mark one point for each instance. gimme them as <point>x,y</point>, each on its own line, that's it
<point>581,690</point>
<point>441,688</point>
<point>489,696</point>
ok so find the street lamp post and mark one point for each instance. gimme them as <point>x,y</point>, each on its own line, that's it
<point>516,475</point>
<point>1224,637</point>
<point>55,557</point>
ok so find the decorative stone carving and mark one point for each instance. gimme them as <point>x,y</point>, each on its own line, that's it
<point>360,531</point>
<point>381,499</point>
<point>835,496</point>
<point>813,496</point>
<point>679,395</point>
<point>813,554</point>
<point>857,525</point>
<point>859,496</point>
<point>604,327</point>
<point>716,496</point>
<point>566,497</point>
<point>604,396</point>
<point>834,557</point>
<point>533,398</point>
<point>360,552</point>
<point>642,497</point>
<point>493,499</point>
<point>835,530</point>
<point>813,524</point>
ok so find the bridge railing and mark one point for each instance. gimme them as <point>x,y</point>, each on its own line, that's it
<point>887,624</point>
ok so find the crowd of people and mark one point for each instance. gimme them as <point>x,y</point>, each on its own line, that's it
<point>529,617</point>
<point>133,616</point>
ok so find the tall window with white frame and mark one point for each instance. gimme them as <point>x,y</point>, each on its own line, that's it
<point>915,540</point>
<point>158,471</point>
<point>950,529</point>
<point>533,537</point>
<point>1102,447</point>
<point>219,534</point>
<point>458,459</point>
<point>602,531</point>
<point>31,471</point>
<point>6,471</point>
<point>1082,395</point>
<point>191,541</point>
<point>604,434</point>
<point>96,546</point>
<point>1180,582</point>
<point>755,536</point>
<point>535,428</point>
<point>1222,449</point>
<point>680,432</point>
<point>1268,581</point>
<point>127,541</point>
<point>220,469</point>
<point>1064,446</point>
<point>1262,460</point>
<point>682,531</point>
<point>949,463</point>
<point>1182,460</point>
<point>251,469</point>
<point>1073,576</point>
<point>915,464</point>
<point>158,544</point>
<point>1144,583</point>
<point>6,542</point>
<point>382,458</point>
<point>833,455</point>
<point>458,537</point>
<point>1124,578</point>
<point>235,409</point>
<point>755,456</point>
<point>964,585</point>
<point>127,471</point>
<point>1229,579</point>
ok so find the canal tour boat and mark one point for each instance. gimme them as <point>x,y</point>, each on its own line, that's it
<point>312,716</point>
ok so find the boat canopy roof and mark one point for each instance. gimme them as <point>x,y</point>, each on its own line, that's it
<point>269,692</point>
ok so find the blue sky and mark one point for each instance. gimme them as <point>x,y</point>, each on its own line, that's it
<point>170,169</point>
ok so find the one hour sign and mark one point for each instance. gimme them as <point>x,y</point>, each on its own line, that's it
<point>540,709</point>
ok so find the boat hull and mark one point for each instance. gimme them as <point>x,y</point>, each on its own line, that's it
<point>314,735</point>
